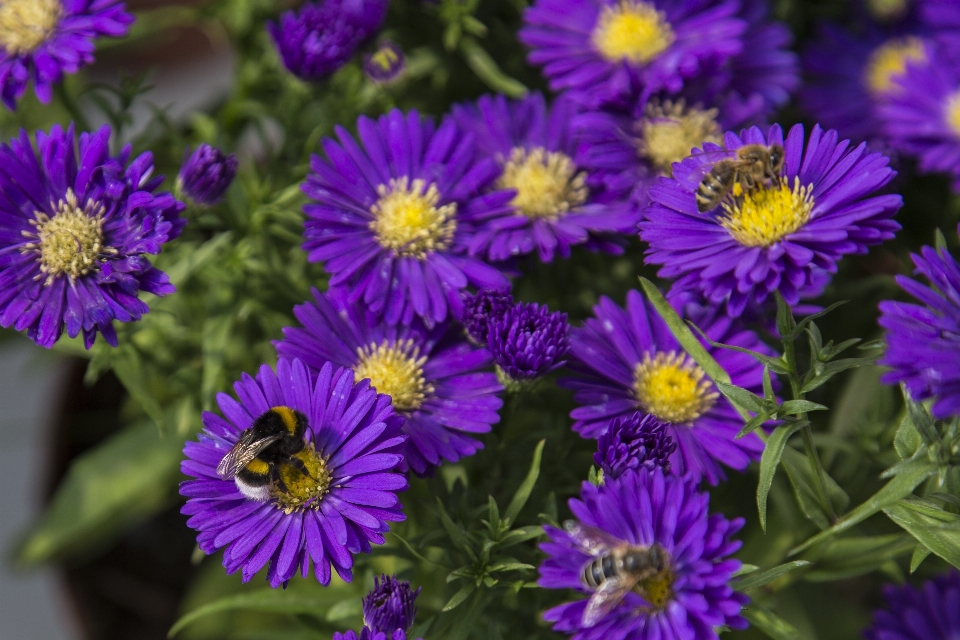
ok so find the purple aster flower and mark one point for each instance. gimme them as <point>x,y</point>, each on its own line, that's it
<point>529,341</point>
<point>923,118</point>
<point>320,38</point>
<point>206,173</point>
<point>352,454</point>
<point>850,76</point>
<point>392,218</point>
<point>385,64</point>
<point>390,606</point>
<point>367,634</point>
<point>607,50</point>
<point>42,39</point>
<point>635,442</point>
<point>77,223</point>
<point>628,361</point>
<point>930,612</point>
<point>435,378</point>
<point>690,595</point>
<point>554,208</point>
<point>781,236</point>
<point>923,340</point>
<point>482,308</point>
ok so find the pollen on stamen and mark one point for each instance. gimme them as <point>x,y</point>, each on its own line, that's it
<point>632,31</point>
<point>672,387</point>
<point>889,61</point>
<point>764,216</point>
<point>303,491</point>
<point>547,182</point>
<point>657,589</point>
<point>408,221</point>
<point>26,24</point>
<point>668,132</point>
<point>395,370</point>
<point>71,241</point>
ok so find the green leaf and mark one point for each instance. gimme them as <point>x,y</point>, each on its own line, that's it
<point>942,539</point>
<point>740,397</point>
<point>939,240</point>
<point>758,579</point>
<point>831,369</point>
<point>900,486</point>
<point>453,530</point>
<point>216,334</point>
<point>785,322</point>
<point>800,326</point>
<point>754,423</point>
<point>487,70</point>
<point>128,367</point>
<point>919,555</point>
<point>796,407</point>
<point>774,363</point>
<point>769,461</point>
<point>523,493</point>
<point>460,596</point>
<point>124,480</point>
<point>908,439</point>
<point>770,624</point>
<point>266,600</point>
<point>520,535</point>
<point>850,557</point>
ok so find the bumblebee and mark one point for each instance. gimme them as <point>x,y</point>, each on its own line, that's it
<point>272,440</point>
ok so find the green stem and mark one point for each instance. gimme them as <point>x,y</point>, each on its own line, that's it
<point>790,355</point>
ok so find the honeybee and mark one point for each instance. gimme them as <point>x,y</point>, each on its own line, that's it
<point>615,568</point>
<point>273,439</point>
<point>751,167</point>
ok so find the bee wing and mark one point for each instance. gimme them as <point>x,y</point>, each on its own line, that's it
<point>591,539</point>
<point>606,598</point>
<point>242,453</point>
<point>692,179</point>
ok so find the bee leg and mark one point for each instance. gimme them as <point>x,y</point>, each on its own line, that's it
<point>298,463</point>
<point>278,479</point>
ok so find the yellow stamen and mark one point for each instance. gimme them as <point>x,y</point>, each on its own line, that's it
<point>632,31</point>
<point>888,62</point>
<point>303,491</point>
<point>657,590</point>
<point>546,182</point>
<point>763,216</point>
<point>395,370</point>
<point>385,58</point>
<point>408,221</point>
<point>952,112</point>
<point>672,387</point>
<point>26,24</point>
<point>70,242</point>
<point>669,131</point>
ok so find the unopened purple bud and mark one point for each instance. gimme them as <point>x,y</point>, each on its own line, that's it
<point>207,173</point>
<point>389,607</point>
<point>529,341</point>
<point>385,64</point>
<point>482,309</point>
<point>638,441</point>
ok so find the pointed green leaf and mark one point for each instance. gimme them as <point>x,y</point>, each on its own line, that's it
<point>919,555</point>
<point>776,364</point>
<point>453,530</point>
<point>487,70</point>
<point>460,596</point>
<point>785,321</point>
<point>526,487</point>
<point>900,486</point>
<point>740,397</point>
<point>754,423</point>
<point>941,539</point>
<point>760,578</point>
<point>796,407</point>
<point>807,320</point>
<point>769,461</point>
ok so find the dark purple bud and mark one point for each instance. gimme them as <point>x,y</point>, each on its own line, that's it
<point>207,173</point>
<point>639,441</point>
<point>529,341</point>
<point>481,309</point>
<point>389,607</point>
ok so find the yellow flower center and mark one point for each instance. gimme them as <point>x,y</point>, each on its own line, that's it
<point>669,131</point>
<point>953,112</point>
<point>763,216</point>
<point>888,62</point>
<point>395,370</point>
<point>884,10</point>
<point>408,221</point>
<point>70,242</point>
<point>657,589</point>
<point>547,182</point>
<point>385,58</point>
<point>632,31</point>
<point>672,387</point>
<point>25,24</point>
<point>303,491</point>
